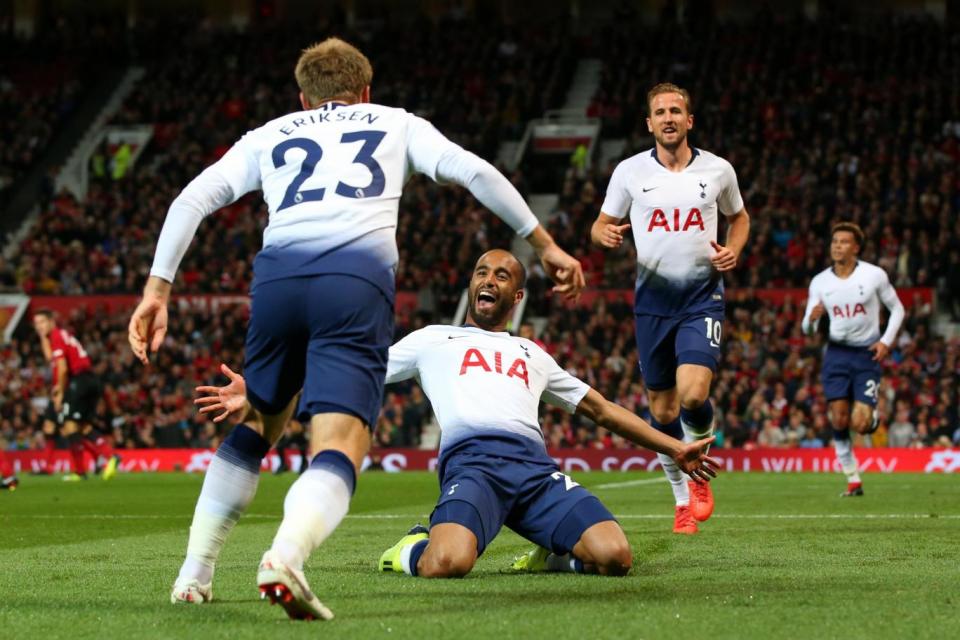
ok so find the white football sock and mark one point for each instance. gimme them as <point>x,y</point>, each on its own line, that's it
<point>678,480</point>
<point>227,491</point>
<point>405,555</point>
<point>315,505</point>
<point>848,462</point>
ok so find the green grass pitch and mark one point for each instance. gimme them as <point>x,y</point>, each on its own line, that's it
<point>783,557</point>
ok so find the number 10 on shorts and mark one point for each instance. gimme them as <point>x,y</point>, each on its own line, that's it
<point>714,331</point>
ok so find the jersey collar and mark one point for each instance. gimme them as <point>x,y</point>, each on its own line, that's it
<point>833,270</point>
<point>693,155</point>
<point>331,105</point>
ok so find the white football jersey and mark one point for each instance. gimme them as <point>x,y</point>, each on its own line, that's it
<point>853,305</point>
<point>483,382</point>
<point>332,179</point>
<point>673,216</point>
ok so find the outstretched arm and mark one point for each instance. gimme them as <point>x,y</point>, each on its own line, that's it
<point>220,184</point>
<point>690,457</point>
<point>231,399</point>
<point>496,193</point>
<point>432,154</point>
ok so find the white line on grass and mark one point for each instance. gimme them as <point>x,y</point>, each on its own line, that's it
<point>400,516</point>
<point>629,483</point>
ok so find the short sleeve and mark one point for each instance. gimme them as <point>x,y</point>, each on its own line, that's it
<point>617,201</point>
<point>402,361</point>
<point>730,201</point>
<point>563,390</point>
<point>57,345</point>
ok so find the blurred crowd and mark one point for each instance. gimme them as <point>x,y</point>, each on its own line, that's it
<point>822,121</point>
<point>475,88</point>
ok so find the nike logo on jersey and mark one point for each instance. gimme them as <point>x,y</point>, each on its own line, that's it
<point>455,337</point>
<point>650,189</point>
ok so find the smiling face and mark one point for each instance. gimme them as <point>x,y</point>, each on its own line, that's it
<point>495,288</point>
<point>669,119</point>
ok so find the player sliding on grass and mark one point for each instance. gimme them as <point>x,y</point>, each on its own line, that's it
<point>485,386</point>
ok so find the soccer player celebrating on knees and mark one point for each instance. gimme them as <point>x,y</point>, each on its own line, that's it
<point>673,194</point>
<point>321,300</point>
<point>76,392</point>
<point>494,468</point>
<point>849,294</point>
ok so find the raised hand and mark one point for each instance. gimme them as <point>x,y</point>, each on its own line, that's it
<point>692,458</point>
<point>148,324</point>
<point>565,270</point>
<point>231,399</point>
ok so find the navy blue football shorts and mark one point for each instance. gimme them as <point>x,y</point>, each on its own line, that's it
<point>664,343</point>
<point>328,334</point>
<point>483,493</point>
<point>850,373</point>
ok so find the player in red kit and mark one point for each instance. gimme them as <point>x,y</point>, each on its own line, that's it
<point>74,398</point>
<point>8,481</point>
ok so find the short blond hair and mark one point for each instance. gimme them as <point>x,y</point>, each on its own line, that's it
<point>331,70</point>
<point>668,87</point>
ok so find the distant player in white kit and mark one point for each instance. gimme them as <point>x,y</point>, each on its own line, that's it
<point>673,194</point>
<point>485,387</point>
<point>849,294</point>
<point>321,300</point>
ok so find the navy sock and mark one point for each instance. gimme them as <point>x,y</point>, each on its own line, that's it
<point>415,554</point>
<point>244,447</point>
<point>672,428</point>
<point>577,564</point>
<point>699,418</point>
<point>336,462</point>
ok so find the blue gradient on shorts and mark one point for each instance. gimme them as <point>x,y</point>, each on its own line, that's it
<point>658,296</point>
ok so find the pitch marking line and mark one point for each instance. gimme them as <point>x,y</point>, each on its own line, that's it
<point>629,483</point>
<point>400,516</point>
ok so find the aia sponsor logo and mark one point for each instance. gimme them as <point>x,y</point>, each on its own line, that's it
<point>676,221</point>
<point>473,358</point>
<point>846,311</point>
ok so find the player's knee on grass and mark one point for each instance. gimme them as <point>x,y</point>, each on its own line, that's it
<point>445,562</point>
<point>604,547</point>
<point>452,552</point>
